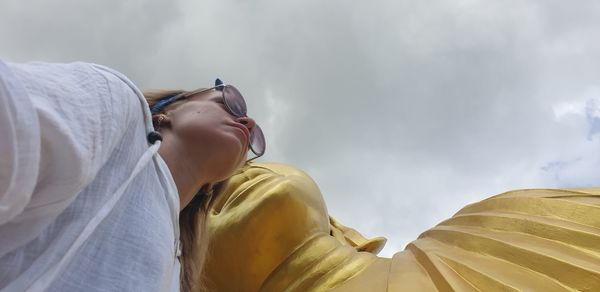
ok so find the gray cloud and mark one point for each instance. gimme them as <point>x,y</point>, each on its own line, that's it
<point>402,111</point>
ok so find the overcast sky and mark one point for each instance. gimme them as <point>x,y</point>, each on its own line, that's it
<point>402,111</point>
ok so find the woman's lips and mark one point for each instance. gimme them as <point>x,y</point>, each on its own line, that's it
<point>244,130</point>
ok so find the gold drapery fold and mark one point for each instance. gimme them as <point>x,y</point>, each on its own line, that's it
<point>269,230</point>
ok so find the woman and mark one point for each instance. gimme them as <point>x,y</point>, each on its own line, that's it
<point>193,123</point>
<point>89,198</point>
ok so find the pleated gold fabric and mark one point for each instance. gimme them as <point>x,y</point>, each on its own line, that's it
<point>269,230</point>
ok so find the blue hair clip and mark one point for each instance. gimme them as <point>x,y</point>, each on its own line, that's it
<point>219,84</point>
<point>158,106</point>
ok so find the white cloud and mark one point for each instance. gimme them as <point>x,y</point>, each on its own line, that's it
<point>564,109</point>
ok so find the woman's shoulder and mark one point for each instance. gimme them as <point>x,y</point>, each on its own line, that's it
<point>81,84</point>
<point>116,80</point>
<point>72,119</point>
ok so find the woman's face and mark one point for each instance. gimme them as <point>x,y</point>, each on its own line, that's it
<point>206,130</point>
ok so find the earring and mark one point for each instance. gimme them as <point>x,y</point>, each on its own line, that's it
<point>158,121</point>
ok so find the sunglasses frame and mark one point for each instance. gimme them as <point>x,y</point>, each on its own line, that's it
<point>219,86</point>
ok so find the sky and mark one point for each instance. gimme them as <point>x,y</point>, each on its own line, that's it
<point>402,111</point>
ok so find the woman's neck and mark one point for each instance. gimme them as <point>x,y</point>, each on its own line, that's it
<point>186,173</point>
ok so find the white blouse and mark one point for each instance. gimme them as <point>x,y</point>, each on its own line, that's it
<point>86,203</point>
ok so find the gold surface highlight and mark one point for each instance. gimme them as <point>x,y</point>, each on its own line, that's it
<point>269,230</point>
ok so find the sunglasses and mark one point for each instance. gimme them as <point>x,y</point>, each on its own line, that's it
<point>235,104</point>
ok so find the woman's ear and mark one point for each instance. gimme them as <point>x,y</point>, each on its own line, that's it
<point>160,121</point>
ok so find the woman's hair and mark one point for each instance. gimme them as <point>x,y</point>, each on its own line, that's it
<point>153,96</point>
<point>192,222</point>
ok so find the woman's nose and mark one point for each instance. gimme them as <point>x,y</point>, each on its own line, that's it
<point>248,122</point>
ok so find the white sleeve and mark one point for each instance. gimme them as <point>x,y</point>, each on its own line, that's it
<point>19,146</point>
<point>59,124</point>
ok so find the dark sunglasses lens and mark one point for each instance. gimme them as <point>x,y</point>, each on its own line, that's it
<point>257,141</point>
<point>235,101</point>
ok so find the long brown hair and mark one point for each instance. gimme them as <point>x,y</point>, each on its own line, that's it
<point>192,222</point>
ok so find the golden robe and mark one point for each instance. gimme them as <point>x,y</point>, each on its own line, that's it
<point>269,230</point>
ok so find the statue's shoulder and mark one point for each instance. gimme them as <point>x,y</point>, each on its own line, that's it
<point>258,218</point>
<point>260,186</point>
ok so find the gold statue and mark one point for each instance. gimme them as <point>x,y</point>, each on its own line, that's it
<point>269,230</point>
